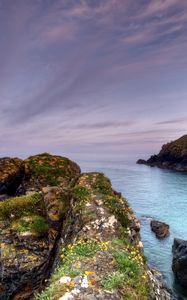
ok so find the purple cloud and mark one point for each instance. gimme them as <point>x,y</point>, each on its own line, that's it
<point>77,73</point>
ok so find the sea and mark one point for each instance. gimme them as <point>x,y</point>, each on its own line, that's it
<point>152,193</point>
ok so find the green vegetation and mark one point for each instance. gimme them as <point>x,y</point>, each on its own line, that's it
<point>51,169</point>
<point>129,271</point>
<point>19,206</point>
<point>81,195</point>
<point>24,213</point>
<point>101,184</point>
<point>126,263</point>
<point>70,265</point>
<point>113,281</point>
<point>87,249</point>
<point>34,223</point>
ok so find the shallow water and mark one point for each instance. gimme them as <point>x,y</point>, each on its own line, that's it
<point>152,193</point>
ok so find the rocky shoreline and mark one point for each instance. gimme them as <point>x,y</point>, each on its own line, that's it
<point>172,156</point>
<point>66,235</point>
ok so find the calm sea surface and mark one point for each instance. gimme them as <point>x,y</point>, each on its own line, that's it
<point>152,193</point>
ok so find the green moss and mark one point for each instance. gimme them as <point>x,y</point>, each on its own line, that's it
<point>34,223</point>
<point>39,225</point>
<point>81,195</point>
<point>52,169</point>
<point>126,264</point>
<point>117,208</point>
<point>20,206</point>
<point>102,184</point>
<point>81,192</point>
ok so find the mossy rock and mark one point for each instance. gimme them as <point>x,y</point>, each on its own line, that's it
<point>21,206</point>
<point>33,224</point>
<point>45,169</point>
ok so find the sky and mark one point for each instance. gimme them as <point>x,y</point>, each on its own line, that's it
<point>92,79</point>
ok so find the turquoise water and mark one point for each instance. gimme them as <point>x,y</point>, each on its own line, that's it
<point>152,193</point>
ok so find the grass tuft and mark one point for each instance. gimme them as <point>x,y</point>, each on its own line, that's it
<point>20,206</point>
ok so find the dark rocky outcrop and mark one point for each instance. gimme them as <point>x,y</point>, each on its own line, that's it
<point>179,263</point>
<point>160,229</point>
<point>11,174</point>
<point>172,156</point>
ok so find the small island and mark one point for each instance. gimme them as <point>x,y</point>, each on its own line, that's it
<point>172,156</point>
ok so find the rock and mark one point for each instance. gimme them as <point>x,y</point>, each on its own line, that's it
<point>3,197</point>
<point>160,229</point>
<point>31,224</point>
<point>141,161</point>
<point>179,263</point>
<point>75,222</point>
<point>158,288</point>
<point>102,218</point>
<point>64,279</point>
<point>11,174</point>
<point>49,170</point>
<point>56,202</point>
<point>172,156</point>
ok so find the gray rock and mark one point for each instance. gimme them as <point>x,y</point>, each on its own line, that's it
<point>179,263</point>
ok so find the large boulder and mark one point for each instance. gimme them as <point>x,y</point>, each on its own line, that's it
<point>179,263</point>
<point>160,229</point>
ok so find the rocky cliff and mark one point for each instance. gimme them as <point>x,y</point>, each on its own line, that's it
<point>172,156</point>
<point>66,235</point>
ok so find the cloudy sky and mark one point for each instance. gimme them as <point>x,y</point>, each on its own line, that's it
<point>92,78</point>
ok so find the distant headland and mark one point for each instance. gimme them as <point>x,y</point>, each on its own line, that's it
<point>172,156</point>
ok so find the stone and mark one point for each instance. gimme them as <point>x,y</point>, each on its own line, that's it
<point>179,263</point>
<point>64,279</point>
<point>141,161</point>
<point>160,229</point>
<point>11,174</point>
